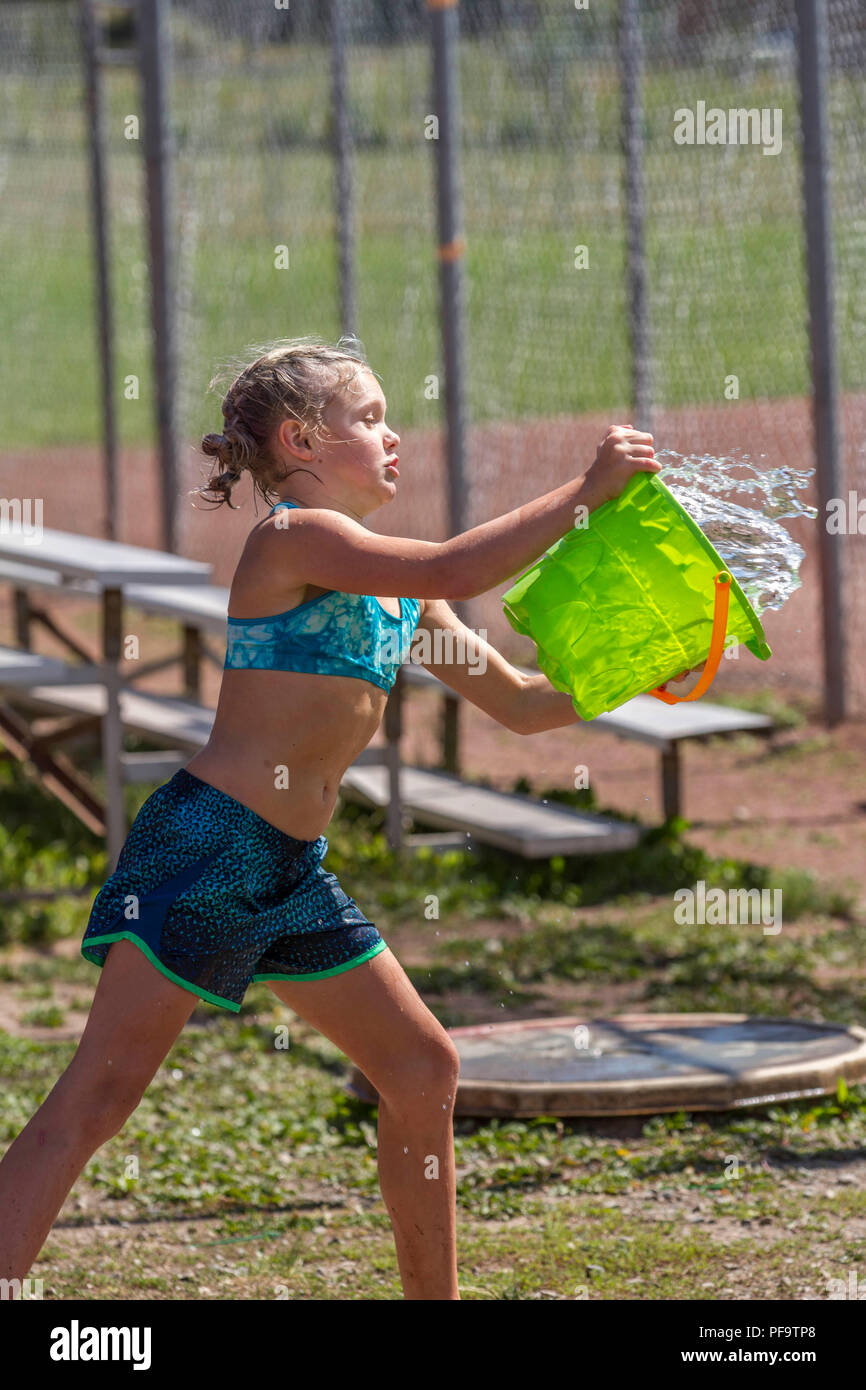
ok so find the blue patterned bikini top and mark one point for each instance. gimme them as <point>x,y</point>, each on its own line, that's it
<point>333,634</point>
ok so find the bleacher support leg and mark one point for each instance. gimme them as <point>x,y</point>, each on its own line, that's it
<point>451,735</point>
<point>22,619</point>
<point>671,780</point>
<point>192,663</point>
<point>393,724</point>
<point>112,728</point>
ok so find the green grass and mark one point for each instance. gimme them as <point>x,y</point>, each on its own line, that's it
<point>541,174</point>
<point>48,1017</point>
<point>254,1173</point>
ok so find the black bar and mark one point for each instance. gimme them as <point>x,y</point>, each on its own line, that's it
<point>812,60</point>
<point>154,52</point>
<point>99,215</point>
<point>343,172</point>
<point>631,91</point>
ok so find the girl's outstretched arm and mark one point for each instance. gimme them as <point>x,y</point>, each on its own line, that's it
<point>465,661</point>
<point>326,548</point>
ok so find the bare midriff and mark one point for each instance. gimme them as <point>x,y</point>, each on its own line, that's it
<point>282,740</point>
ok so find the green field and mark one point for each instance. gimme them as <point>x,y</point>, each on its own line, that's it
<point>256,1178</point>
<point>541,174</point>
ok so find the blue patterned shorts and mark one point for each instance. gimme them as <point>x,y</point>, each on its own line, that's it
<point>216,897</point>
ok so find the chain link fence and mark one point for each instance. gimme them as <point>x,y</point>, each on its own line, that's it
<point>545,87</point>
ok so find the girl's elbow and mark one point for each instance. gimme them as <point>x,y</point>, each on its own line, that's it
<point>454,580</point>
<point>543,721</point>
<point>521,721</point>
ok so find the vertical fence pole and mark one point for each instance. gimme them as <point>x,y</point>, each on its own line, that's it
<point>631,89</point>
<point>812,51</point>
<point>342,135</point>
<point>446,105</point>
<point>99,218</point>
<point>451,248</point>
<point>154,56</point>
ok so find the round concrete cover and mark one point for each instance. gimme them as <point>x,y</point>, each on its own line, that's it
<point>642,1064</point>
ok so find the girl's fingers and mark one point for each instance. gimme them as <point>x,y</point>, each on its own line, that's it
<point>693,672</point>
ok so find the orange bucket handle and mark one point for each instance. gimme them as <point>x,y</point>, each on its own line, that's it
<point>717,645</point>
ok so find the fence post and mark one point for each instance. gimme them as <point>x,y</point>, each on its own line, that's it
<point>154,39</point>
<point>342,137</point>
<point>446,105</point>
<point>451,247</point>
<point>631,91</point>
<point>812,48</point>
<point>99,215</point>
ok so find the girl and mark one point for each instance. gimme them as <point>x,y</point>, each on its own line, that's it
<point>221,880</point>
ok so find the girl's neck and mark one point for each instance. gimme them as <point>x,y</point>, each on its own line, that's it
<point>329,505</point>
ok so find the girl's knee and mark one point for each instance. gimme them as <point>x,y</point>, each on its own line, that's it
<point>97,1103</point>
<point>425,1077</point>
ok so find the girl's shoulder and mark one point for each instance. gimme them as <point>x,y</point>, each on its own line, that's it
<point>259,584</point>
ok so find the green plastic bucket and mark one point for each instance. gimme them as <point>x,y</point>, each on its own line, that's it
<point>628,601</point>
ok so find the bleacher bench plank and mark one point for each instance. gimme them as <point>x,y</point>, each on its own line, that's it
<point>162,716</point>
<point>643,717</point>
<point>32,577</point>
<point>651,721</point>
<point>505,819</point>
<point>23,669</point>
<point>108,563</point>
<point>197,605</point>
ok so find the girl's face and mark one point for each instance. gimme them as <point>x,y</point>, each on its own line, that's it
<point>359,450</point>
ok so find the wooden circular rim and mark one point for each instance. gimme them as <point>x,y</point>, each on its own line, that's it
<point>771,1084</point>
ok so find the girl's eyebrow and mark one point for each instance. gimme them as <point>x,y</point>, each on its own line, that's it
<point>374,400</point>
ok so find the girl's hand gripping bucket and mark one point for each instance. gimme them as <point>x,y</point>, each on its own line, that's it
<point>628,601</point>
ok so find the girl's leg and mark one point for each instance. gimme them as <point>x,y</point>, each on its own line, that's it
<point>374,1015</point>
<point>134,1020</point>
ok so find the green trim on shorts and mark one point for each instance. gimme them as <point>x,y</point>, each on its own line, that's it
<point>154,960</point>
<point>337,970</point>
<point>92,957</point>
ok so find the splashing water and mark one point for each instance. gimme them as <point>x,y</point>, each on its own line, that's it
<point>757,549</point>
